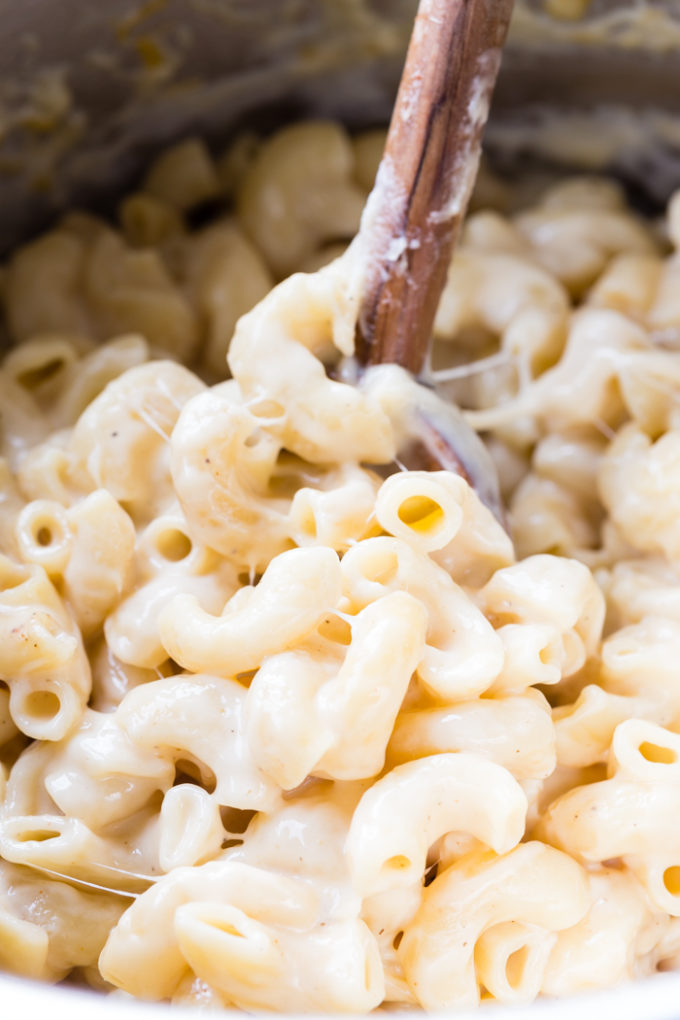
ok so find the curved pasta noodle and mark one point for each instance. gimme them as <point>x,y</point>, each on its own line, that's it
<point>533,884</point>
<point>112,678</point>
<point>131,291</point>
<point>596,952</point>
<point>508,296</point>
<point>121,439</point>
<point>226,277</point>
<point>56,259</point>
<point>302,720</point>
<point>297,588</point>
<point>515,594</point>
<point>63,374</point>
<point>387,914</point>
<point>223,456</point>
<point>599,345</point>
<point>479,544</point>
<point>70,931</point>
<point>637,679</point>
<point>421,508</point>
<point>584,729</point>
<point>639,588</point>
<point>247,960</point>
<point>85,378</point>
<point>658,873</point>
<point>143,956</point>
<point>191,829</point>
<point>463,654</point>
<point>339,513</point>
<point>313,827</point>
<point>183,175</point>
<point>307,833</point>
<point>87,550</point>
<point>43,535</point>
<point>299,192</point>
<point>68,846</point>
<point>510,960</point>
<point>628,813</point>
<point>168,717</point>
<point>273,356</point>
<point>79,784</point>
<point>515,732</point>
<point>649,520</point>
<point>42,658</point>
<point>576,243</point>
<point>99,566</point>
<point>167,565</point>
<point>147,220</point>
<point>387,845</point>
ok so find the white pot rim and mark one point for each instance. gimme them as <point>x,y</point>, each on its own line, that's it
<point>655,998</point>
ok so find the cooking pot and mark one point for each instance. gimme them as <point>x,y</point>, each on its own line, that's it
<point>90,92</point>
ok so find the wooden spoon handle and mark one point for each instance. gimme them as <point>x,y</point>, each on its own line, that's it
<point>426,175</point>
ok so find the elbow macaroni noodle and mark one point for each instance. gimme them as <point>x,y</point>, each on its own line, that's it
<point>284,726</point>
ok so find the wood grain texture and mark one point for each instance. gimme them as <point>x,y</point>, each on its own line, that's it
<point>428,169</point>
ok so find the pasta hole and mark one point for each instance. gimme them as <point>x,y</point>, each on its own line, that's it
<point>334,628</point>
<point>36,836</point>
<point>396,941</point>
<point>236,820</point>
<point>657,753</point>
<point>397,863</point>
<point>292,473</point>
<point>251,578</point>
<point>193,772</point>
<point>283,486</point>
<point>246,678</point>
<point>516,965</point>
<point>170,668</point>
<point>421,514</point>
<point>34,377</point>
<point>431,873</point>
<point>227,844</point>
<point>671,880</point>
<point>309,787</point>
<point>308,523</point>
<point>155,802</point>
<point>208,209</point>
<point>173,545</point>
<point>546,656</point>
<point>42,705</point>
<point>44,536</point>
<point>227,928</point>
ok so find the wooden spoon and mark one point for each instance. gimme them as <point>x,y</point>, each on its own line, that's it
<point>415,210</point>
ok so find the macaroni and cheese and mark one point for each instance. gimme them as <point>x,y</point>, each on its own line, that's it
<point>283,725</point>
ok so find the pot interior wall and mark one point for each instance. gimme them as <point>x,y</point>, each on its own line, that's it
<point>87,96</point>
